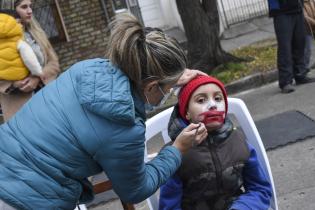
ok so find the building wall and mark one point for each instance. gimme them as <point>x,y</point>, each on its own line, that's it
<point>171,14</point>
<point>87,28</point>
<point>152,13</point>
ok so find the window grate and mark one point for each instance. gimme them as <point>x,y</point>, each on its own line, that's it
<point>120,4</point>
<point>45,16</point>
<point>49,17</point>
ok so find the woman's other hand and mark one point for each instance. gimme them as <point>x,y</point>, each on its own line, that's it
<point>28,84</point>
<point>192,135</point>
<point>188,75</point>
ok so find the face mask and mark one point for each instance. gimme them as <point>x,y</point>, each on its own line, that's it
<point>165,97</point>
<point>149,107</point>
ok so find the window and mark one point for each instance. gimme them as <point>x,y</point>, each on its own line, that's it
<point>127,5</point>
<point>119,4</point>
<point>50,18</point>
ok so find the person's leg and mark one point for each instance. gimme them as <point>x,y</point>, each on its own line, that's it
<point>308,51</point>
<point>284,33</point>
<point>298,47</point>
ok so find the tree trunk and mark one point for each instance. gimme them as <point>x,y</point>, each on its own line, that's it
<point>201,23</point>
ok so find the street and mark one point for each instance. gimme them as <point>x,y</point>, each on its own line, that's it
<point>293,165</point>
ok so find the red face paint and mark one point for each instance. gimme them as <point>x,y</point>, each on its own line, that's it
<point>212,116</point>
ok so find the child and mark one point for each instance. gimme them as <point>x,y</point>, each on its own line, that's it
<point>223,171</point>
<point>17,57</point>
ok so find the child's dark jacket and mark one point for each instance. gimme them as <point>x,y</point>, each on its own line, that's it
<point>213,174</point>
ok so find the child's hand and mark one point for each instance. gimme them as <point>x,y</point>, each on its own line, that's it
<point>192,135</point>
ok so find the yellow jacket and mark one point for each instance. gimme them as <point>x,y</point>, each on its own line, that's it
<point>11,64</point>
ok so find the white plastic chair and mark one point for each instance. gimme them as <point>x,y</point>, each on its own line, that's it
<point>237,107</point>
<point>81,207</point>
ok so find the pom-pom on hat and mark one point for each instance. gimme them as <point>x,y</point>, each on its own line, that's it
<point>190,87</point>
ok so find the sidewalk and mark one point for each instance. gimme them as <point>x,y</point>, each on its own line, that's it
<point>245,34</point>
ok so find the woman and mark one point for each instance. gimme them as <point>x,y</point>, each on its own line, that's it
<point>92,119</point>
<point>15,93</point>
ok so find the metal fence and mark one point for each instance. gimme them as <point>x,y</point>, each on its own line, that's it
<point>237,11</point>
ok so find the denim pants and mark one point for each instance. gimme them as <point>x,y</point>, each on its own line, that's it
<point>290,33</point>
<point>5,206</point>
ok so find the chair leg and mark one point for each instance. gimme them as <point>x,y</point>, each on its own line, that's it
<point>128,206</point>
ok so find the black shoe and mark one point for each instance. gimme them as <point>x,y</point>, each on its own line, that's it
<point>287,89</point>
<point>304,80</point>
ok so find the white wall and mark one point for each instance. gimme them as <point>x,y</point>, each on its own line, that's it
<point>151,12</point>
<point>171,14</point>
<point>160,13</point>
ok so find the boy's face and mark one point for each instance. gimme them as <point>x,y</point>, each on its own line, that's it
<point>207,105</point>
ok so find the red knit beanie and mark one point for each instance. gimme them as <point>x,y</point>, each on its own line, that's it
<point>190,87</point>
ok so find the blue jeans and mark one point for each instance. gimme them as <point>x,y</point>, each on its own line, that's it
<point>290,34</point>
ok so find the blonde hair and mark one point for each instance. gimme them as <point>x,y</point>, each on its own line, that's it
<point>40,37</point>
<point>34,29</point>
<point>143,53</point>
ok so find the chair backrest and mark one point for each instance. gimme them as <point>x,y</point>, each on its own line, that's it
<point>237,107</point>
<point>81,207</point>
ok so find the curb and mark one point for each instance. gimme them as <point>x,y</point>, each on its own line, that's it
<point>252,81</point>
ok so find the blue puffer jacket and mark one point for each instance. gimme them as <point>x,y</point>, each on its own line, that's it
<point>280,7</point>
<point>86,121</point>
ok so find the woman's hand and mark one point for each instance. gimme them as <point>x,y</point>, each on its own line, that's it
<point>192,135</point>
<point>188,75</point>
<point>28,84</point>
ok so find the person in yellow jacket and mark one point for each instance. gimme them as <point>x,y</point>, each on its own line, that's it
<point>15,93</point>
<point>17,56</point>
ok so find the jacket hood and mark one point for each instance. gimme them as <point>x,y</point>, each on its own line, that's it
<point>9,28</point>
<point>105,90</point>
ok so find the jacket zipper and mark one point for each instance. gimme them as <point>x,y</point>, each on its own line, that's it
<point>216,163</point>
